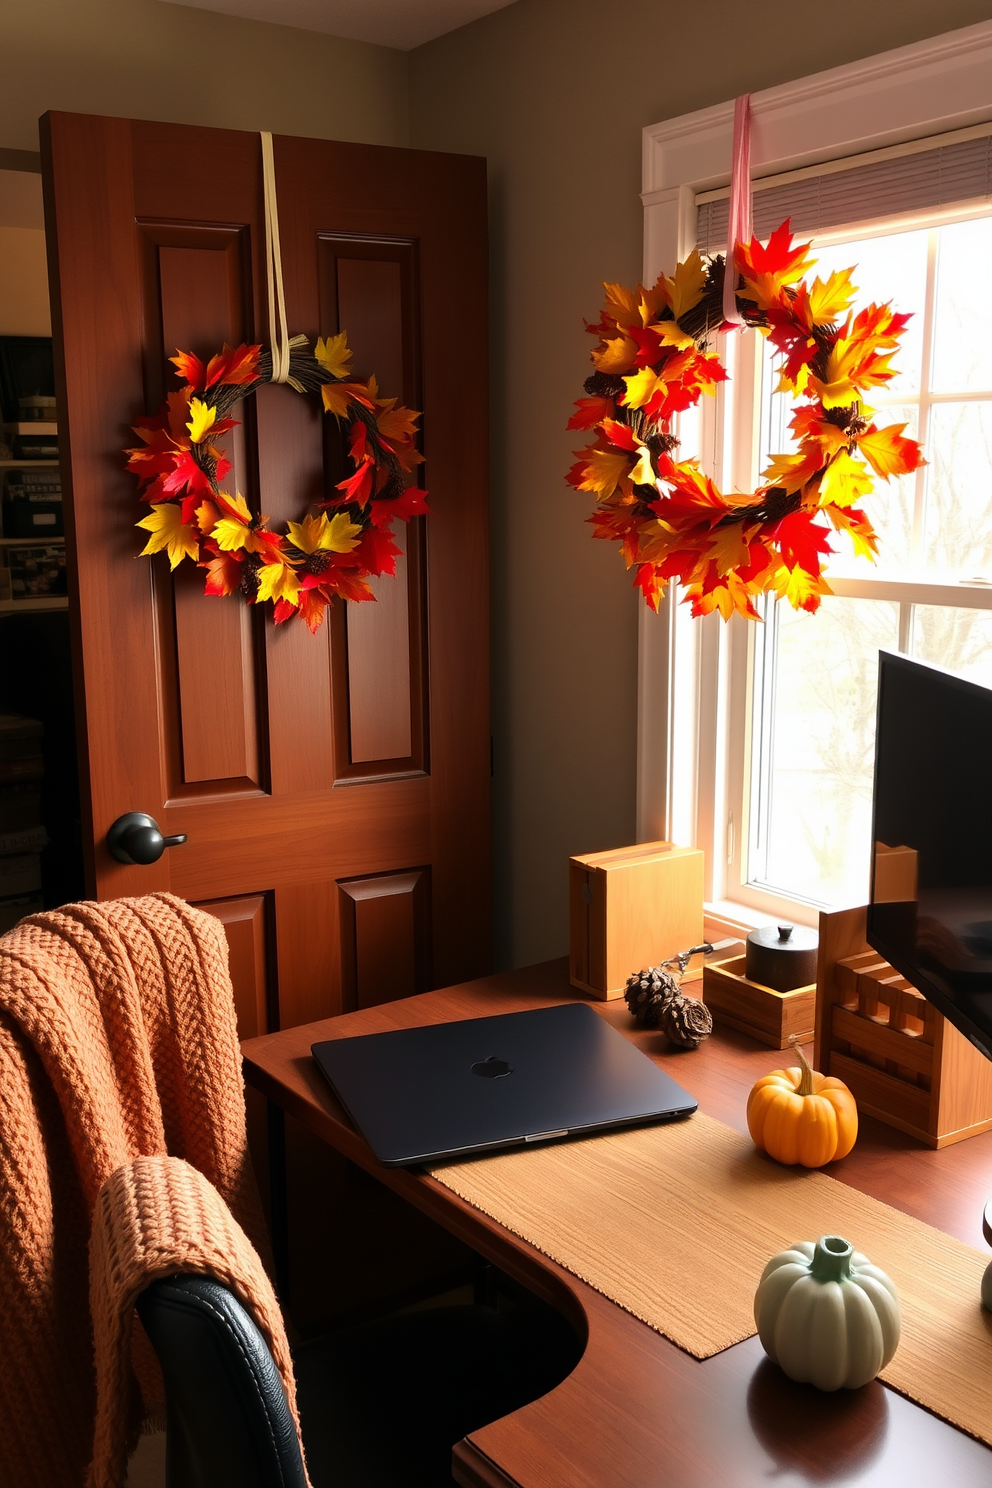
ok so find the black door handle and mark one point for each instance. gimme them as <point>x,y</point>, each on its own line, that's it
<point>135,838</point>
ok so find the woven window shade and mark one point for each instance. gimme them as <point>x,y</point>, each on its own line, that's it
<point>898,186</point>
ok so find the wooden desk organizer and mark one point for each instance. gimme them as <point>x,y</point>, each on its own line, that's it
<point>902,1060</point>
<point>773,1018</point>
<point>631,908</point>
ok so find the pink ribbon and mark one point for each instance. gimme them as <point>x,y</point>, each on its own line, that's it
<point>739,225</point>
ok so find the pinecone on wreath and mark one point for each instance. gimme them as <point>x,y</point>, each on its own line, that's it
<point>648,992</point>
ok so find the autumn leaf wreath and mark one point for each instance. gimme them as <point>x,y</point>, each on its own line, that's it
<point>334,549</point>
<point>652,362</point>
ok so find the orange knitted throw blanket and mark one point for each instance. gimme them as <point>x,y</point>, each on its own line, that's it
<point>157,1216</point>
<point>117,1041</point>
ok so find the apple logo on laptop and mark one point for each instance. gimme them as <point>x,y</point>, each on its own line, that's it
<point>492,1068</point>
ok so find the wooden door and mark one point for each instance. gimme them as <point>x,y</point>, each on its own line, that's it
<point>334,788</point>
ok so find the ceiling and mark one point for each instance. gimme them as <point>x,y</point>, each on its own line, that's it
<point>394,23</point>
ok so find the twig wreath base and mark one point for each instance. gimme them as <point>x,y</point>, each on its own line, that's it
<point>652,362</point>
<point>338,545</point>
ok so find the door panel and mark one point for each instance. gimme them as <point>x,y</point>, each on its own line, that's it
<point>380,712</point>
<point>247,925</point>
<point>369,287</point>
<point>384,933</point>
<point>294,763</point>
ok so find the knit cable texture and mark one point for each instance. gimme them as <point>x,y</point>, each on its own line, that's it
<point>157,1216</point>
<point>118,1040</point>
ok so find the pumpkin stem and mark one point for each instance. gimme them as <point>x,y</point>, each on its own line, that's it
<point>805,1086</point>
<point>831,1259</point>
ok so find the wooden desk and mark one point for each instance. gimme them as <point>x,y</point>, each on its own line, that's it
<point>637,1412</point>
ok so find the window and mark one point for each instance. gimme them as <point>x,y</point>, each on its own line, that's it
<point>766,741</point>
<point>809,732</point>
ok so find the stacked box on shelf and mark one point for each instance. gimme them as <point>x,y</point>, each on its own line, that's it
<point>37,572</point>
<point>22,835</point>
<point>32,503</point>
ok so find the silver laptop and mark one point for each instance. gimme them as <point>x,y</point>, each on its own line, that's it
<point>419,1095</point>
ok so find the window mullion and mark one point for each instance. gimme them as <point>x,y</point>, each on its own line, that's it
<point>925,404</point>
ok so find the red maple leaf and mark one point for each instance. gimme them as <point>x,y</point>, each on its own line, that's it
<point>410,503</point>
<point>223,572</point>
<point>358,487</point>
<point>589,411</point>
<point>191,369</point>
<point>648,579</point>
<point>376,552</point>
<point>801,540</point>
<point>620,434</point>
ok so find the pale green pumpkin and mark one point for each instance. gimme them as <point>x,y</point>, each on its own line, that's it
<point>826,1315</point>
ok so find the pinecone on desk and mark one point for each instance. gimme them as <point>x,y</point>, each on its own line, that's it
<point>647,994</point>
<point>686,1021</point>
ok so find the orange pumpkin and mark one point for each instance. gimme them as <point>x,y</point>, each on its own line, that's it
<point>801,1116</point>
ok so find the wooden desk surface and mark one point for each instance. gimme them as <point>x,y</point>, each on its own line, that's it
<point>637,1412</point>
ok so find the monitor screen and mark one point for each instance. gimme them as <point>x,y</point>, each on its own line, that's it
<point>930,910</point>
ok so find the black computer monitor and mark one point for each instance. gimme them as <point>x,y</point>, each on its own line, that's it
<point>930,910</point>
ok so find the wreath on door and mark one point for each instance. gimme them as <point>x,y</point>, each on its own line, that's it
<point>653,361</point>
<point>338,544</point>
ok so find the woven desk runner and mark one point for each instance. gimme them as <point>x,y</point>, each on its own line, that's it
<point>675,1223</point>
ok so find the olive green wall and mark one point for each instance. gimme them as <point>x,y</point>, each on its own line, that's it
<point>555,93</point>
<point>144,60</point>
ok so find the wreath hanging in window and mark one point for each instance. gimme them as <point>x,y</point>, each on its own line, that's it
<point>337,546</point>
<point>652,362</point>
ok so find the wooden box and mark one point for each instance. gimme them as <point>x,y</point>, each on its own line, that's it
<point>902,1060</point>
<point>631,908</point>
<point>773,1018</point>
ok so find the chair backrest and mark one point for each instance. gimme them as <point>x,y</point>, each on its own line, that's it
<point>228,1423</point>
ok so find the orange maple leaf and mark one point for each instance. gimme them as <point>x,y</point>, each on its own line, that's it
<point>888,452</point>
<point>233,365</point>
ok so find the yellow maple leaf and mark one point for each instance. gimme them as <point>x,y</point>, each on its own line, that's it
<point>811,430</point>
<point>795,385</point>
<point>643,472</point>
<point>278,581</point>
<point>671,333</point>
<point>791,472</point>
<point>858,529</point>
<point>727,547</point>
<point>615,356</point>
<point>169,531</point>
<point>334,354</point>
<point>686,287</point>
<point>335,534</point>
<point>801,589</point>
<point>338,395</point>
<point>604,471</point>
<point>203,416</point>
<point>622,305</point>
<point>853,364</point>
<point>652,300</point>
<point>641,387</point>
<point>845,481</point>
<point>829,299</point>
<point>398,423</point>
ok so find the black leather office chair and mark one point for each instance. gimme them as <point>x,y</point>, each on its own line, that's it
<point>381,1406</point>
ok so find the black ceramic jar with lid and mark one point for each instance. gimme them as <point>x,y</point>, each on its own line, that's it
<point>782,957</point>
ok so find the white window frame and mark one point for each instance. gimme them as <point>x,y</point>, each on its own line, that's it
<point>693,692</point>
